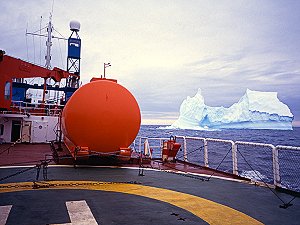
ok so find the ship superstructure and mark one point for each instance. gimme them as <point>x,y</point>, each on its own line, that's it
<point>27,118</point>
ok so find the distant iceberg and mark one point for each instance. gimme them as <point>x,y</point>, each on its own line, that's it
<point>255,110</point>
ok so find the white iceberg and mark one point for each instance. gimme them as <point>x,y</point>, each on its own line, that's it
<point>255,110</point>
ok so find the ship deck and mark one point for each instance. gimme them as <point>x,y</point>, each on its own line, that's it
<point>129,194</point>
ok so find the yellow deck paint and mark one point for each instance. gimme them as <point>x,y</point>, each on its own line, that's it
<point>209,211</point>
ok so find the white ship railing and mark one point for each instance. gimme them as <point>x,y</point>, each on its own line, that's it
<point>153,148</point>
<point>21,107</point>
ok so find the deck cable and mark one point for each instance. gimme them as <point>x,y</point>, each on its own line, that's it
<point>43,164</point>
<point>285,205</point>
<point>192,176</point>
<point>196,177</point>
<point>23,163</point>
<point>186,174</point>
<point>200,148</point>
<point>40,160</point>
<point>141,169</point>
<point>12,145</point>
<point>17,173</point>
<point>220,163</point>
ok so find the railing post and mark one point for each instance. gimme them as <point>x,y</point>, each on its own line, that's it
<point>276,166</point>
<point>146,147</point>
<point>134,144</point>
<point>161,146</point>
<point>205,153</point>
<point>140,145</point>
<point>234,158</point>
<point>184,150</point>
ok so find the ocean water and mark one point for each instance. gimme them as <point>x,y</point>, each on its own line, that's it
<point>275,137</point>
<point>254,162</point>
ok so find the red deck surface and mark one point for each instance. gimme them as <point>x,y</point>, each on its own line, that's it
<point>23,154</point>
<point>32,154</point>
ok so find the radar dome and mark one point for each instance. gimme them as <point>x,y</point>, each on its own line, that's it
<point>74,25</point>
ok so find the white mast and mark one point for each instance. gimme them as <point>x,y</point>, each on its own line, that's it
<point>49,43</point>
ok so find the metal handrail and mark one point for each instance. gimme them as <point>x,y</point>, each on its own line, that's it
<point>234,146</point>
<point>34,108</point>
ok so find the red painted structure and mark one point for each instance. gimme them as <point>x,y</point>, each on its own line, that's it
<point>101,116</point>
<point>170,149</point>
<point>12,68</point>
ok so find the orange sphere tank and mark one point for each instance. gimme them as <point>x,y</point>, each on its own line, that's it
<point>101,115</point>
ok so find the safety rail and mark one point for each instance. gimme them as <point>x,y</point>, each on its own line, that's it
<point>39,109</point>
<point>147,149</point>
<point>278,165</point>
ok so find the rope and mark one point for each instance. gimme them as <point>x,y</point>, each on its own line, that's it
<point>27,43</point>
<point>21,163</point>
<point>43,164</point>
<point>220,163</point>
<point>284,205</point>
<point>185,174</point>
<point>200,148</point>
<point>141,166</point>
<point>17,173</point>
<point>33,48</point>
<point>192,176</point>
<point>12,145</point>
<point>61,58</point>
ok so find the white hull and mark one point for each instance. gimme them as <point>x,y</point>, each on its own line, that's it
<point>30,129</point>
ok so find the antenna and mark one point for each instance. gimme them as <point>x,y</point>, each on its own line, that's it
<point>41,41</point>
<point>49,42</point>
<point>74,48</point>
<point>49,28</point>
<point>105,66</point>
<point>52,7</point>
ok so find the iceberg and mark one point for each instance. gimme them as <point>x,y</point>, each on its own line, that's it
<point>255,110</point>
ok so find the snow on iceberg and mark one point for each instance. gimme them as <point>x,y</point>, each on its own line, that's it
<point>255,110</point>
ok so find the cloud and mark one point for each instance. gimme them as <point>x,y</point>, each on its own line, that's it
<point>163,51</point>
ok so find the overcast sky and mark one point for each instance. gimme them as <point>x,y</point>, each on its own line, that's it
<point>164,50</point>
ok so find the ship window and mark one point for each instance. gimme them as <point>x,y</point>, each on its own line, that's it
<point>1,129</point>
<point>7,91</point>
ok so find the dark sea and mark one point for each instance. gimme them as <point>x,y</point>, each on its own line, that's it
<point>275,137</point>
<point>254,162</point>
